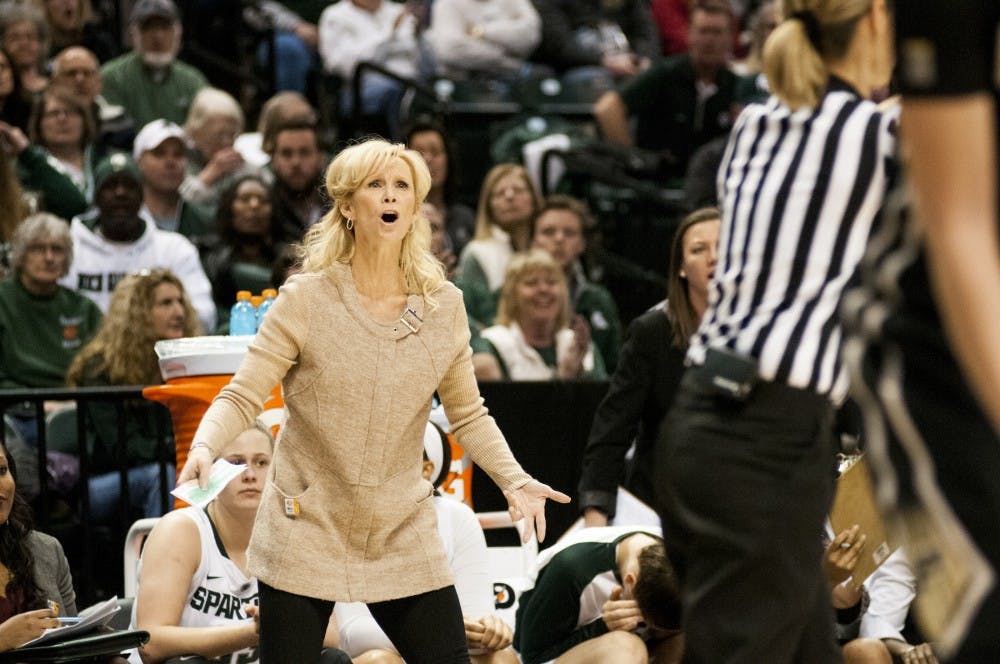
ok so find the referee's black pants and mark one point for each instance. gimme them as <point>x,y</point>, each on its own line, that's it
<point>743,489</point>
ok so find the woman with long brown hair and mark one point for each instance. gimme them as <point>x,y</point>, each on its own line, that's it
<point>33,568</point>
<point>648,374</point>
<point>145,308</point>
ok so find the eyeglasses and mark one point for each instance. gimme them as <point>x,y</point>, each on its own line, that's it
<point>513,190</point>
<point>41,248</point>
<point>59,113</point>
<point>77,73</point>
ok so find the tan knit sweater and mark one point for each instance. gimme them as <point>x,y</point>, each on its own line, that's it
<point>357,397</point>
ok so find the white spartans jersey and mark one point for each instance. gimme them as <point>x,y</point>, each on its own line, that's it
<point>217,592</point>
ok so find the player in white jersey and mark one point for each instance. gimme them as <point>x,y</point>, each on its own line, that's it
<point>195,597</point>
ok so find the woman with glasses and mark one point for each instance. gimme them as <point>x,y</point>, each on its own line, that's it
<point>42,324</point>
<point>58,164</point>
<point>507,204</point>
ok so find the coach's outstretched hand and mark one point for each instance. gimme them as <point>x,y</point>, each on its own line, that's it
<point>528,503</point>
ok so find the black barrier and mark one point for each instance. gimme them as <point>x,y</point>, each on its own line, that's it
<point>546,425</point>
<point>97,572</point>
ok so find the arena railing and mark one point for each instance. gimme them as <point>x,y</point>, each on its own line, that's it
<point>78,534</point>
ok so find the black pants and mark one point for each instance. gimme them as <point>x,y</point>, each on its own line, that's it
<point>425,628</point>
<point>743,489</point>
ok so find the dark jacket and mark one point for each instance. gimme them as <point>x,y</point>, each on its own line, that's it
<point>641,392</point>
<point>144,421</point>
<point>668,116</point>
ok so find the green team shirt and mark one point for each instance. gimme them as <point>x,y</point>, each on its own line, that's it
<point>131,84</point>
<point>40,335</point>
<point>571,585</point>
<point>56,191</point>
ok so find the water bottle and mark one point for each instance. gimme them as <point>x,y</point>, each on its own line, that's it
<point>243,316</point>
<point>269,295</point>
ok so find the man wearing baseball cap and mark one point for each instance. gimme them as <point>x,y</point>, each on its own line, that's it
<point>150,82</point>
<point>114,240</point>
<point>160,152</point>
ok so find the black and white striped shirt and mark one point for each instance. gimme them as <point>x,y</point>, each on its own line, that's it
<point>799,192</point>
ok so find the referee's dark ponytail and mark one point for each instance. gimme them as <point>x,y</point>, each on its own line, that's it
<point>812,33</point>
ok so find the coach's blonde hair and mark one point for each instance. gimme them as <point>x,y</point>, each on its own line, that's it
<point>330,241</point>
<point>796,67</point>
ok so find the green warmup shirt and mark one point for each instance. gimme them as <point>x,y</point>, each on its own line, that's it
<point>40,335</point>
<point>564,607</point>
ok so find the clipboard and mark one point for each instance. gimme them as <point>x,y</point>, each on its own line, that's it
<point>84,647</point>
<point>854,503</point>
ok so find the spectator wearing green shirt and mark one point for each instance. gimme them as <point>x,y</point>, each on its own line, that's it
<point>42,324</point>
<point>150,82</point>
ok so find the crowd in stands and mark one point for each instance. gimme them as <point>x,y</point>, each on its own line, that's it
<point>137,197</point>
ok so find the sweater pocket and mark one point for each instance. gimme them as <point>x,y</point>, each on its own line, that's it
<point>291,478</point>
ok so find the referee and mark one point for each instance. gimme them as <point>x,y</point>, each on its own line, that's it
<point>746,460</point>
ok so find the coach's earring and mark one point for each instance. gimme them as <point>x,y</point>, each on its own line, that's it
<point>350,224</point>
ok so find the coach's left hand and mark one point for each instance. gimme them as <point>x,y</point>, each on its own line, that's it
<point>528,503</point>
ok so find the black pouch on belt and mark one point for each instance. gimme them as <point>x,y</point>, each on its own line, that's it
<point>728,374</point>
